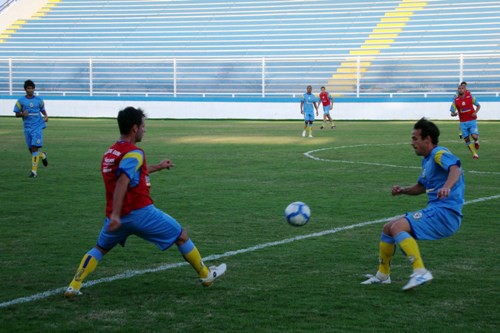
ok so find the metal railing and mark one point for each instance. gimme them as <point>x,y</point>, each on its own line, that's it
<point>356,76</point>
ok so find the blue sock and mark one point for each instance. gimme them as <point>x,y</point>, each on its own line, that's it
<point>96,254</point>
<point>186,247</point>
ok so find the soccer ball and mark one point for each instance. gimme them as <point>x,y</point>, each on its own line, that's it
<point>297,214</point>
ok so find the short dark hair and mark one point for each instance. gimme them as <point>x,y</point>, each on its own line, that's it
<point>29,83</point>
<point>463,83</point>
<point>427,128</point>
<point>129,117</point>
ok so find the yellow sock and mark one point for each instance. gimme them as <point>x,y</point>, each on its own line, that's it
<point>194,258</point>
<point>332,123</point>
<point>310,130</point>
<point>34,162</point>
<point>386,251</point>
<point>410,247</point>
<point>471,148</point>
<point>87,266</point>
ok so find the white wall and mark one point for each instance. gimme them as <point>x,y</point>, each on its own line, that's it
<point>251,110</point>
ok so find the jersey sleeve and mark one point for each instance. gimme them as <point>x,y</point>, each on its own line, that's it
<point>18,107</point>
<point>42,106</point>
<point>131,165</point>
<point>446,159</point>
<point>475,102</point>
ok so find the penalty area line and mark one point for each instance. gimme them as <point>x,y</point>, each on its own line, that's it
<point>132,273</point>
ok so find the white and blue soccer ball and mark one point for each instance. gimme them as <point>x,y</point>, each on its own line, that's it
<point>297,213</point>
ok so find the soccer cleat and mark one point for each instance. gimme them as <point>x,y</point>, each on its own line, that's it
<point>214,273</point>
<point>32,174</point>
<point>322,127</point>
<point>417,279</point>
<point>460,136</point>
<point>304,133</point>
<point>44,160</point>
<point>333,126</point>
<point>72,293</point>
<point>373,279</point>
<point>476,156</point>
<point>310,136</point>
<point>476,145</point>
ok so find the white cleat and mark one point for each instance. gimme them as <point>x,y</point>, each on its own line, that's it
<point>373,279</point>
<point>72,293</point>
<point>310,136</point>
<point>418,279</point>
<point>214,273</point>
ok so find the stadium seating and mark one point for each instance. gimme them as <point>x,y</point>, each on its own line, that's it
<point>396,46</point>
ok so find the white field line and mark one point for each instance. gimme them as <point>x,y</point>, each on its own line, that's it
<point>310,154</point>
<point>132,273</point>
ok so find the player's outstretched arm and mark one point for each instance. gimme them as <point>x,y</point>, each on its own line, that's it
<point>165,164</point>
<point>411,190</point>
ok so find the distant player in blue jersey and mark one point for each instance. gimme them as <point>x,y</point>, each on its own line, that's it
<point>307,103</point>
<point>32,109</point>
<point>442,179</point>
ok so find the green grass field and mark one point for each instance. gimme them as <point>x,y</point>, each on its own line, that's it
<point>230,185</point>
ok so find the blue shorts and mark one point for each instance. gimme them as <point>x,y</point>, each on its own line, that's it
<point>433,223</point>
<point>34,137</point>
<point>468,128</point>
<point>149,223</point>
<point>326,109</point>
<point>308,116</point>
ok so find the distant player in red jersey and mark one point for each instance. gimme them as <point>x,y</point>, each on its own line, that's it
<point>463,106</point>
<point>327,100</point>
<point>453,109</point>
<point>130,209</point>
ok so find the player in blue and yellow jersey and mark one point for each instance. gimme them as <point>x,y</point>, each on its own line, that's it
<point>32,109</point>
<point>307,107</point>
<point>442,179</point>
<point>130,209</point>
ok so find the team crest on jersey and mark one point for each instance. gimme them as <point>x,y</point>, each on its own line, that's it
<point>417,215</point>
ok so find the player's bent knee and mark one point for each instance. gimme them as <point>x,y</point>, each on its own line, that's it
<point>183,237</point>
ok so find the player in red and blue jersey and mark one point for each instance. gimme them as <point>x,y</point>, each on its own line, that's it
<point>32,109</point>
<point>466,107</point>
<point>130,209</point>
<point>453,109</point>
<point>327,101</point>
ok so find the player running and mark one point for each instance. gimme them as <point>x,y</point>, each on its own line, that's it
<point>32,109</point>
<point>453,109</point>
<point>463,106</point>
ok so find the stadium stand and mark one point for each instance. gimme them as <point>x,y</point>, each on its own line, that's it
<point>267,47</point>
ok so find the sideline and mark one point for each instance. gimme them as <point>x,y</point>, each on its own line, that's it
<point>130,274</point>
